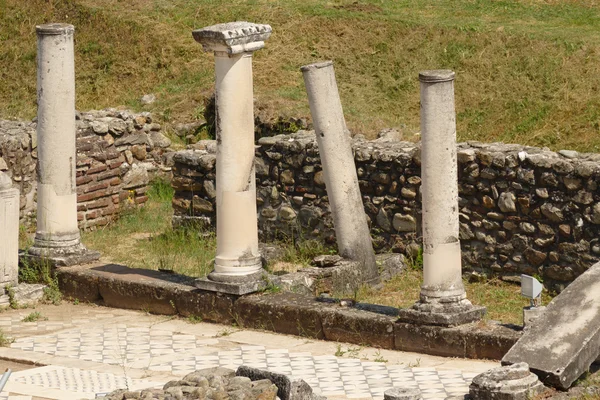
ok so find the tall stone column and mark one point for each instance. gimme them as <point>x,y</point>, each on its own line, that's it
<point>443,300</point>
<point>349,219</point>
<point>238,259</point>
<point>9,232</point>
<point>57,235</point>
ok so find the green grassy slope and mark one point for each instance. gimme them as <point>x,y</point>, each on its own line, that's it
<point>527,71</point>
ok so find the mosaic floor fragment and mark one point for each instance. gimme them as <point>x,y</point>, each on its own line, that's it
<point>115,339</point>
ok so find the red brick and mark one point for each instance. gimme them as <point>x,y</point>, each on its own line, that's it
<point>98,222</point>
<point>99,186</point>
<point>82,180</point>
<point>96,169</point>
<point>115,199</point>
<point>80,216</point>
<point>115,181</point>
<point>109,210</point>
<point>123,195</point>
<point>115,164</point>
<point>84,162</point>
<point>81,207</point>
<point>105,202</point>
<point>92,214</point>
<point>108,174</point>
<point>141,199</point>
<point>89,196</point>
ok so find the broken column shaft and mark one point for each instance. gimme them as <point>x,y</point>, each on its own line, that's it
<point>443,298</point>
<point>237,258</point>
<point>9,232</point>
<point>57,235</point>
<point>349,218</point>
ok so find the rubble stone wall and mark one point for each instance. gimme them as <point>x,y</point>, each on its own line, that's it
<point>118,153</point>
<point>522,209</point>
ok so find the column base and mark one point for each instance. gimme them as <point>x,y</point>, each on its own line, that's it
<point>63,256</point>
<point>507,382</point>
<point>442,313</point>
<point>232,284</point>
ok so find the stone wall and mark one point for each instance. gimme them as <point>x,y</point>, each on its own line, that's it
<point>118,153</point>
<point>522,209</point>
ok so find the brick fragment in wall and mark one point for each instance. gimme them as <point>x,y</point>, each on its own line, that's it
<point>522,202</point>
<point>100,165</point>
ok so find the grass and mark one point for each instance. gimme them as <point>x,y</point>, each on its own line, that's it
<point>503,300</point>
<point>194,319</point>
<point>31,271</point>
<point>526,69</point>
<point>34,316</point>
<point>143,238</point>
<point>147,240</point>
<point>5,341</point>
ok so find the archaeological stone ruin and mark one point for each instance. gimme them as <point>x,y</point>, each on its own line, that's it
<point>57,235</point>
<point>443,299</point>
<point>238,260</point>
<point>341,182</point>
<point>490,209</point>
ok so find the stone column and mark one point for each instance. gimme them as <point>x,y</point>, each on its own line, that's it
<point>237,259</point>
<point>350,222</point>
<point>9,232</point>
<point>443,299</point>
<point>57,235</point>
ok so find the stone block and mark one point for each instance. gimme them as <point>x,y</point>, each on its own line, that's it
<point>460,316</point>
<point>78,283</point>
<point>288,388</point>
<point>530,314</point>
<point>480,341</point>
<point>9,232</point>
<point>236,288</point>
<point>563,342</point>
<point>402,394</point>
<point>356,326</point>
<point>513,382</point>
<point>288,313</point>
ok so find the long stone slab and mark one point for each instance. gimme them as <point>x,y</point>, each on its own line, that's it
<point>289,313</point>
<point>562,343</point>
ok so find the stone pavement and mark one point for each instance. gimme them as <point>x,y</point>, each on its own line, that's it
<point>80,351</point>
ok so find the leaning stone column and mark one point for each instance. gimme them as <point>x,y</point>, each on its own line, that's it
<point>238,259</point>
<point>350,222</point>
<point>57,235</point>
<point>9,232</point>
<point>443,300</point>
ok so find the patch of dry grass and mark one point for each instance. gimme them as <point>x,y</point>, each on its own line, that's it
<point>503,300</point>
<point>143,238</point>
<point>527,70</point>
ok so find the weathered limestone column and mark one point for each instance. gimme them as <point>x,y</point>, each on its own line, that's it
<point>443,300</point>
<point>237,259</point>
<point>350,222</point>
<point>9,232</point>
<point>57,236</point>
